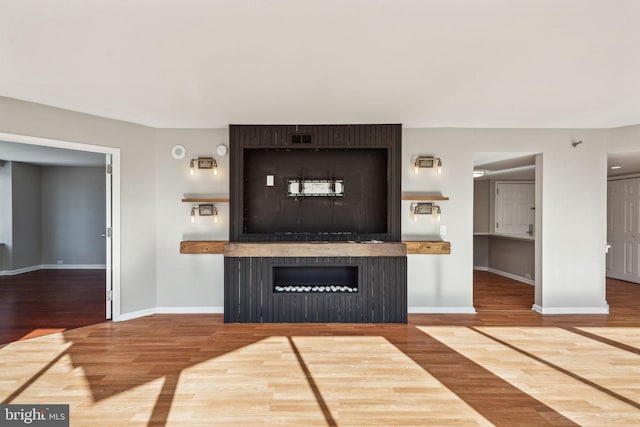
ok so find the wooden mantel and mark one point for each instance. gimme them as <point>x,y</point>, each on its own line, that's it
<point>314,249</point>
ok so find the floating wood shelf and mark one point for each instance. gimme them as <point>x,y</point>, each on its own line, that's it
<point>206,199</point>
<point>202,247</point>
<point>283,249</point>
<point>423,196</point>
<point>442,248</point>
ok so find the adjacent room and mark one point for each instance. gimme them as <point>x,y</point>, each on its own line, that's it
<point>53,260</point>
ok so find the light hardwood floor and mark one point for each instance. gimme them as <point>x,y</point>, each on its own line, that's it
<point>505,367</point>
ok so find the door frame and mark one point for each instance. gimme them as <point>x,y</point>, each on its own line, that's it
<point>538,215</point>
<point>115,201</point>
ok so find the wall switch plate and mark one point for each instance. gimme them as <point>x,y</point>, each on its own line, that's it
<point>270,180</point>
<point>443,230</point>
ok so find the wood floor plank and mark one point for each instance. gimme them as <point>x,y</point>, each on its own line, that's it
<point>499,367</point>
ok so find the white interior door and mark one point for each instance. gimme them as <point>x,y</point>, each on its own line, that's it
<point>623,226</point>
<point>630,230</point>
<point>108,235</point>
<point>515,207</point>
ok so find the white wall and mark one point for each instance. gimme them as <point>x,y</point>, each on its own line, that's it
<point>155,274</point>
<point>573,231</point>
<point>623,139</point>
<point>191,281</point>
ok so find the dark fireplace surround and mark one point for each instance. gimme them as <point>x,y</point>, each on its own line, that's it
<point>294,188</point>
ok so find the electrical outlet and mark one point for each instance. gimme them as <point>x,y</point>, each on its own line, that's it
<point>527,275</point>
<point>270,181</point>
<point>59,262</point>
<point>443,230</point>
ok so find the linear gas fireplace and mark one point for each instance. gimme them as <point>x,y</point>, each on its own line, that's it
<point>301,196</point>
<point>315,279</point>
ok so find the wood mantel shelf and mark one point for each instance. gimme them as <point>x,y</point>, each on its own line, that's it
<point>296,249</point>
<point>314,249</point>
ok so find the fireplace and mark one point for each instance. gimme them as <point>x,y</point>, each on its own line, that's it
<point>376,288</point>
<point>315,279</point>
<point>303,199</point>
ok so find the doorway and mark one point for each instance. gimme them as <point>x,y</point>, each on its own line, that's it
<point>504,228</point>
<point>623,216</point>
<point>50,149</point>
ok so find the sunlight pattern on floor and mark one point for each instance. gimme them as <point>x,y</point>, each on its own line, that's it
<point>587,381</point>
<point>626,336</point>
<point>34,374</point>
<point>263,384</point>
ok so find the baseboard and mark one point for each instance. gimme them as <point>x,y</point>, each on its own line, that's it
<point>73,267</point>
<point>571,310</point>
<point>441,310</point>
<point>511,276</point>
<point>53,267</point>
<point>189,310</point>
<point>20,270</point>
<point>170,310</point>
<point>135,314</point>
<point>480,268</point>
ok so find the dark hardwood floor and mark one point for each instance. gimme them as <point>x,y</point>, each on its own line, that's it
<point>493,292</point>
<point>46,301</point>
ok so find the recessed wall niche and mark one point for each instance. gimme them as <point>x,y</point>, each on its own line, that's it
<point>269,160</point>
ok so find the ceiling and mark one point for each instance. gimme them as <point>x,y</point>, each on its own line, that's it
<point>422,63</point>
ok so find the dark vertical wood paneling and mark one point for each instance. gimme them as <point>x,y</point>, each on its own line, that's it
<point>382,293</point>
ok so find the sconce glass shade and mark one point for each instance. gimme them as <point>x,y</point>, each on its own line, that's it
<point>427,162</point>
<point>203,163</point>
<point>204,210</point>
<point>428,208</point>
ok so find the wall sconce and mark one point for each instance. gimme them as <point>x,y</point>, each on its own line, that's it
<point>427,162</point>
<point>203,163</point>
<point>426,209</point>
<point>204,210</point>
